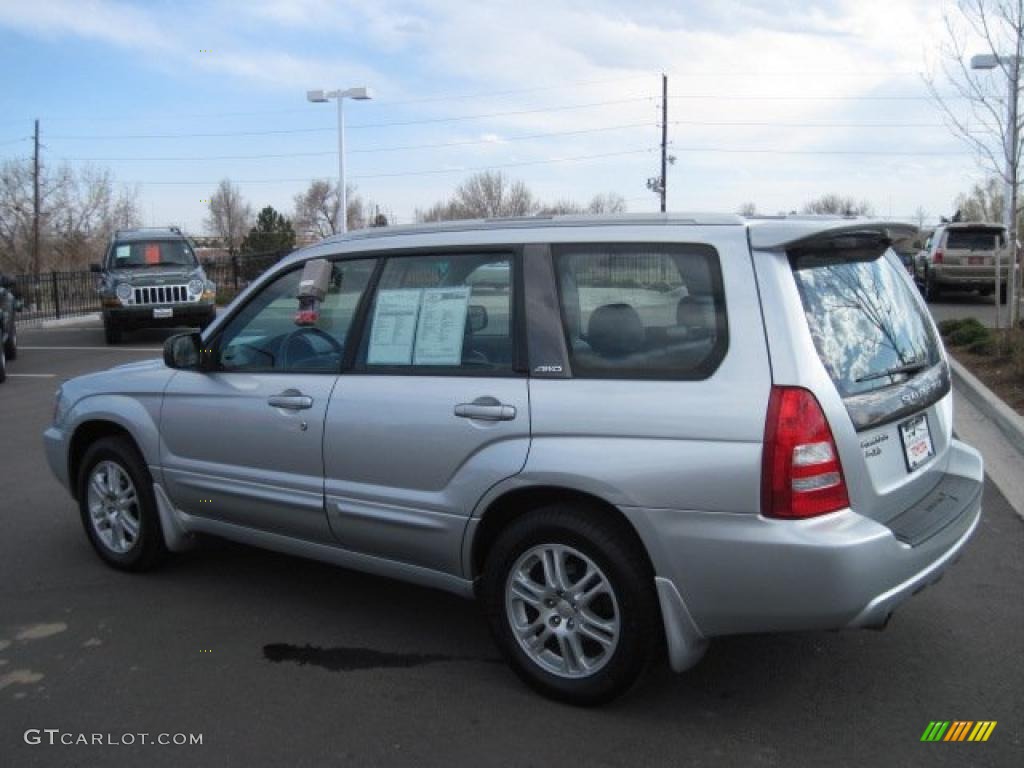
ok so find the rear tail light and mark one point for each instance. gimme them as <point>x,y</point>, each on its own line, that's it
<point>801,475</point>
<point>937,258</point>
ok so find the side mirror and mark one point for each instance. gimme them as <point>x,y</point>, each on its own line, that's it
<point>95,267</point>
<point>476,318</point>
<point>181,351</point>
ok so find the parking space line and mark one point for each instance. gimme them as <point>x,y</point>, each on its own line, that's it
<point>109,349</point>
<point>31,375</point>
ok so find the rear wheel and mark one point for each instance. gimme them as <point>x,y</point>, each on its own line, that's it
<point>932,291</point>
<point>570,599</point>
<point>3,365</point>
<point>117,505</point>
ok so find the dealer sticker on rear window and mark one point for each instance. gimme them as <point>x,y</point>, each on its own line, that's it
<point>917,441</point>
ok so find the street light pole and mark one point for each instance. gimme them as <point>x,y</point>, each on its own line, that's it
<point>319,97</point>
<point>342,192</point>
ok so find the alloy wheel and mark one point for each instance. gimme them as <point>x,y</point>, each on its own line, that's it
<point>562,610</point>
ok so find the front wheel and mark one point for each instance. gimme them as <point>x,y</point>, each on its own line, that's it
<point>118,508</point>
<point>571,602</point>
<point>111,332</point>
<point>11,345</point>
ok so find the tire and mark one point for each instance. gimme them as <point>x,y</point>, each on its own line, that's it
<point>111,332</point>
<point>138,551</point>
<point>3,365</point>
<point>932,292</point>
<point>11,345</point>
<point>596,554</point>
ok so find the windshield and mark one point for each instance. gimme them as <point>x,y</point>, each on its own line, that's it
<point>152,253</point>
<point>867,325</point>
<point>973,239</point>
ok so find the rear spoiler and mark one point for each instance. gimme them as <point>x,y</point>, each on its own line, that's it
<point>824,237</point>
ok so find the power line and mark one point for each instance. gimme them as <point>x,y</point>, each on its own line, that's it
<point>457,118</point>
<point>767,124</point>
<point>759,97</point>
<point>371,150</point>
<point>377,102</point>
<point>431,172</point>
<point>852,152</point>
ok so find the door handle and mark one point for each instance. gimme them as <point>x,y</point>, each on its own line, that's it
<point>486,409</point>
<point>291,399</point>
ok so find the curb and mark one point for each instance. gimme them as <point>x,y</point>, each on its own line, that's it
<point>1009,422</point>
<point>68,320</point>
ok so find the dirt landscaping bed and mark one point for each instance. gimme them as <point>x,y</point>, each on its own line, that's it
<point>995,357</point>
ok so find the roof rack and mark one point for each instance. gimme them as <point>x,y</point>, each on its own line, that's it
<point>544,220</point>
<point>126,230</point>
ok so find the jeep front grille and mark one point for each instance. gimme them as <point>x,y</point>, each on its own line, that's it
<point>161,294</point>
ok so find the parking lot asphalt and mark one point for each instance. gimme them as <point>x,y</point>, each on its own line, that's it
<point>279,661</point>
<point>957,304</point>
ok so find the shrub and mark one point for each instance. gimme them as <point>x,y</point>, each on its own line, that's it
<point>984,346</point>
<point>946,327</point>
<point>969,332</point>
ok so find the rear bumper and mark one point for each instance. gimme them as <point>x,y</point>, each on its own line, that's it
<point>968,277</point>
<point>743,573</point>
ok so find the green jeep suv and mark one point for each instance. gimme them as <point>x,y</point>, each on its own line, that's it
<point>151,278</point>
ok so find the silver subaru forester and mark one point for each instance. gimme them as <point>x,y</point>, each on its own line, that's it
<point>618,433</point>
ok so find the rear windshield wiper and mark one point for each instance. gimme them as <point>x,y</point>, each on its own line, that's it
<point>908,368</point>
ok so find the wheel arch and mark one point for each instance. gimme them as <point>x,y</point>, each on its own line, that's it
<point>512,504</point>
<point>86,433</point>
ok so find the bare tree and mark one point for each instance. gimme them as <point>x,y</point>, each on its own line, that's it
<point>230,216</point>
<point>838,205</point>
<point>316,209</point>
<point>86,210</point>
<point>78,212</point>
<point>920,216</point>
<point>984,202</point>
<point>747,209</point>
<point>983,113</point>
<point>611,202</point>
<point>491,194</point>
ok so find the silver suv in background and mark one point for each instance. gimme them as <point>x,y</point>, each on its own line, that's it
<point>962,256</point>
<point>618,433</point>
<point>149,278</point>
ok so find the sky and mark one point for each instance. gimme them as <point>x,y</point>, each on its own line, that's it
<point>773,102</point>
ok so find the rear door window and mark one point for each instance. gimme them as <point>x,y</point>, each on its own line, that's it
<point>868,327</point>
<point>642,311</point>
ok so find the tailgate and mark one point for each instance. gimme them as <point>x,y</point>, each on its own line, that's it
<point>880,349</point>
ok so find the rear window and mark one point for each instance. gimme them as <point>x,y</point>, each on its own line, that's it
<point>865,320</point>
<point>154,253</point>
<point>973,239</point>
<point>642,311</point>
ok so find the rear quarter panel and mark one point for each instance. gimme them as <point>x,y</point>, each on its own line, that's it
<point>693,445</point>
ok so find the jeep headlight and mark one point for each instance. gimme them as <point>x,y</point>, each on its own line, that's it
<point>195,286</point>
<point>124,292</point>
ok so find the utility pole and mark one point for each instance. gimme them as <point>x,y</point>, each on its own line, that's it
<point>664,139</point>
<point>35,203</point>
